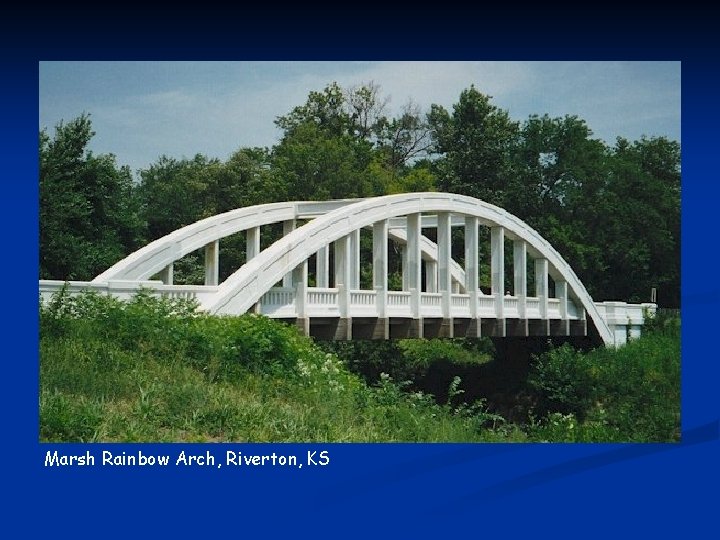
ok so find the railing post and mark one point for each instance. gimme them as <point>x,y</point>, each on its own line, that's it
<point>288,227</point>
<point>212,260</point>
<point>252,243</point>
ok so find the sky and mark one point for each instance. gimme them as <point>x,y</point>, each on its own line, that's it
<point>142,110</point>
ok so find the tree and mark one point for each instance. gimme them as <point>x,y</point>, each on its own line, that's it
<point>176,193</point>
<point>475,143</point>
<point>88,209</point>
<point>645,185</point>
<point>326,148</point>
<point>404,139</point>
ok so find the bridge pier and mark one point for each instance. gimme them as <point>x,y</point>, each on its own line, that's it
<point>435,327</point>
<point>559,327</point>
<point>406,328</point>
<point>492,327</point>
<point>447,328</point>
<point>538,327</point>
<point>303,324</point>
<point>370,328</point>
<point>516,327</point>
<point>578,327</point>
<point>460,327</point>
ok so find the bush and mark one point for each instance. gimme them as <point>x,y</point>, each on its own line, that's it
<point>153,369</point>
<point>561,378</point>
<point>627,394</point>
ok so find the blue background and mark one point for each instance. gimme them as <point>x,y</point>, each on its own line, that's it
<point>369,490</point>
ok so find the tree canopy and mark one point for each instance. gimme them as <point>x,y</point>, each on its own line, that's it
<point>612,211</point>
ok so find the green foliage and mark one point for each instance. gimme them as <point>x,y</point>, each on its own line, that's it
<point>626,394</point>
<point>591,201</point>
<point>407,360</point>
<point>475,141</point>
<point>153,369</point>
<point>88,207</point>
<point>562,378</point>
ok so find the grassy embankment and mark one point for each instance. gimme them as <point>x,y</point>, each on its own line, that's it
<point>152,370</point>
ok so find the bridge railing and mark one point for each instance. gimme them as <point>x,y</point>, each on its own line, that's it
<point>625,320</point>
<point>125,290</point>
<point>363,303</point>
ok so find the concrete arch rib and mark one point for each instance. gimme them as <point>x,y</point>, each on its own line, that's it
<point>246,286</point>
<point>153,257</point>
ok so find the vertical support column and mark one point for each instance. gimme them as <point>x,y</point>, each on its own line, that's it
<point>300,279</point>
<point>322,267</point>
<point>497,271</point>
<point>212,262</point>
<point>342,282</point>
<point>380,265</point>
<point>520,327</point>
<point>380,278</point>
<point>166,274</point>
<point>252,250</point>
<point>404,263</point>
<point>541,291</point>
<point>355,259</point>
<point>342,273</point>
<point>414,273</point>
<point>431,276</point>
<point>471,272</point>
<point>561,292</point>
<point>444,241</point>
<point>252,243</point>
<point>288,227</point>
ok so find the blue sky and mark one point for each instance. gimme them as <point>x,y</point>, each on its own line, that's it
<point>141,110</point>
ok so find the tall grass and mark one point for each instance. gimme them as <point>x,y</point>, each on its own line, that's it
<point>155,370</point>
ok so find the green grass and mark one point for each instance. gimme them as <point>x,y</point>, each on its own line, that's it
<point>154,370</point>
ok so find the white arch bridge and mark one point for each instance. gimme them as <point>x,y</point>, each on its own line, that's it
<point>439,297</point>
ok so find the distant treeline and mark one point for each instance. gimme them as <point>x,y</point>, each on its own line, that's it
<point>613,212</point>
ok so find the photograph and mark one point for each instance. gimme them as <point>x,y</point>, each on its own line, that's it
<point>358,252</point>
